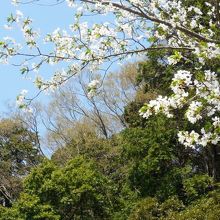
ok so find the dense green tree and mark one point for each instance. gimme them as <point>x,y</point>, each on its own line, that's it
<point>18,154</point>
<point>204,208</point>
<point>75,191</point>
<point>28,207</point>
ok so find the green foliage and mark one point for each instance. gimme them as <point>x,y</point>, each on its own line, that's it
<point>145,210</point>
<point>76,191</point>
<point>126,200</point>
<point>171,205</point>
<point>28,207</point>
<point>9,214</point>
<point>150,208</point>
<point>153,155</point>
<point>205,208</point>
<point>18,154</point>
<point>131,115</point>
<point>154,73</point>
<point>197,186</point>
<point>31,207</point>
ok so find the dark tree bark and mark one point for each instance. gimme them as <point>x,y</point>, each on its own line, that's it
<point>216,162</point>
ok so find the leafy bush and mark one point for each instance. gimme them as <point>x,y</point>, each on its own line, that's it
<point>75,191</point>
<point>197,186</point>
<point>206,208</point>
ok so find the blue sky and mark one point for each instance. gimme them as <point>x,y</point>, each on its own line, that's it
<point>45,18</point>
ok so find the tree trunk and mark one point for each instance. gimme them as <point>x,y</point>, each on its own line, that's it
<point>216,162</point>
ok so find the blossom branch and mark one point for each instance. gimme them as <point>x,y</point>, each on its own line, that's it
<point>157,20</point>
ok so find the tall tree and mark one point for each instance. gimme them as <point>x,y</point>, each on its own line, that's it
<point>18,154</point>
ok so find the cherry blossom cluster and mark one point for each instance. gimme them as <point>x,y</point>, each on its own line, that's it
<point>21,101</point>
<point>201,97</point>
<point>92,88</point>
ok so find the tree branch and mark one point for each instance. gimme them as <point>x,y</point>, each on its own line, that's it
<point>157,20</point>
